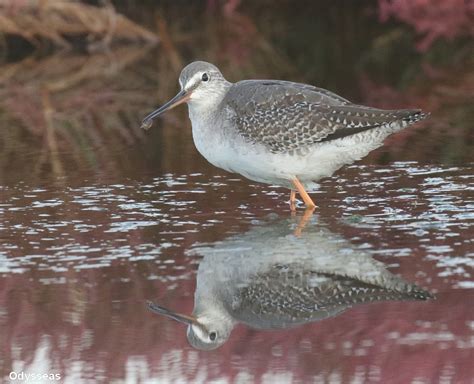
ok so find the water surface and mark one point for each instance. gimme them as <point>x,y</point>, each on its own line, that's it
<point>79,262</point>
<point>97,216</point>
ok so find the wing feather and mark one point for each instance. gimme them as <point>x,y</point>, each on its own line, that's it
<point>290,294</point>
<point>285,116</point>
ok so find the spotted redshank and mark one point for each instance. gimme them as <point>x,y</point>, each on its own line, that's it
<point>279,132</point>
<point>269,279</point>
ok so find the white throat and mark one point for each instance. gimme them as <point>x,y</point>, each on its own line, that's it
<point>206,101</point>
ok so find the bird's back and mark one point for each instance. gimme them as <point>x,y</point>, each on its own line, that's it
<point>284,116</point>
<point>289,295</point>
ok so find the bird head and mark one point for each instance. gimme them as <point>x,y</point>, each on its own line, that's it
<point>202,84</point>
<point>205,332</point>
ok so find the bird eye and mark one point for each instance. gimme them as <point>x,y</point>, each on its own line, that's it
<point>212,336</point>
<point>205,77</point>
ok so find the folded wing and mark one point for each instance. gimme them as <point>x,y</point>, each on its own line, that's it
<point>285,116</point>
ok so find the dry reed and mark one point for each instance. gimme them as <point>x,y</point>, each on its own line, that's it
<point>58,21</point>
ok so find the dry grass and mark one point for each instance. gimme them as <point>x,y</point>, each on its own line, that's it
<point>57,21</point>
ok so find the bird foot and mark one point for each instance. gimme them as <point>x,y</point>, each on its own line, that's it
<point>304,195</point>
<point>294,204</point>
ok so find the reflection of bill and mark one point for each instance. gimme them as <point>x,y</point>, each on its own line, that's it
<point>23,376</point>
<point>268,278</point>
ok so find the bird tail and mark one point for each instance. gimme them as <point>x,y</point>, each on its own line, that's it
<point>356,119</point>
<point>414,115</point>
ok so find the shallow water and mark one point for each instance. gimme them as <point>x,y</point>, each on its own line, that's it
<point>97,217</point>
<point>79,262</point>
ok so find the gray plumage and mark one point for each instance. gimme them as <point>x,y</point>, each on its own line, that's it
<point>275,131</point>
<point>267,278</point>
<point>288,295</point>
<point>285,116</point>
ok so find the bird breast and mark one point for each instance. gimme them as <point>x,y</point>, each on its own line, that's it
<point>210,138</point>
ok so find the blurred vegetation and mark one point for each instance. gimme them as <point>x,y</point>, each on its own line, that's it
<point>76,80</point>
<point>61,23</point>
<point>77,77</point>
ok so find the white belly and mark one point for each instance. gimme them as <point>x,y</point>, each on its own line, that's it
<point>238,156</point>
<point>255,162</point>
<point>214,149</point>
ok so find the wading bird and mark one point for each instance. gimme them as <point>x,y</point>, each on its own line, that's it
<point>270,279</point>
<point>279,132</point>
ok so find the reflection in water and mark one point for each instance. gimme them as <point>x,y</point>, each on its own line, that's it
<point>270,279</point>
<point>78,262</point>
<point>95,215</point>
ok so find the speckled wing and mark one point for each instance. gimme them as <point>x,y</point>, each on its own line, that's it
<point>284,116</point>
<point>288,295</point>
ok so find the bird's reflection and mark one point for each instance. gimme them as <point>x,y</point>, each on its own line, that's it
<point>268,278</point>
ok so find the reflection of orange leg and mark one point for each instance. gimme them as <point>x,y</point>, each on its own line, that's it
<point>307,200</point>
<point>304,220</point>
<point>293,200</point>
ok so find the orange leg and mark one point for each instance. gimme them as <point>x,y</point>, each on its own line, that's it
<point>304,195</point>
<point>304,220</point>
<point>293,200</point>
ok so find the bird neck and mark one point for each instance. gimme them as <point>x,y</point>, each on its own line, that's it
<point>206,103</point>
<point>216,319</point>
<point>212,309</point>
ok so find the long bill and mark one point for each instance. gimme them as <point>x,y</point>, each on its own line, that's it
<point>189,320</point>
<point>180,98</point>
